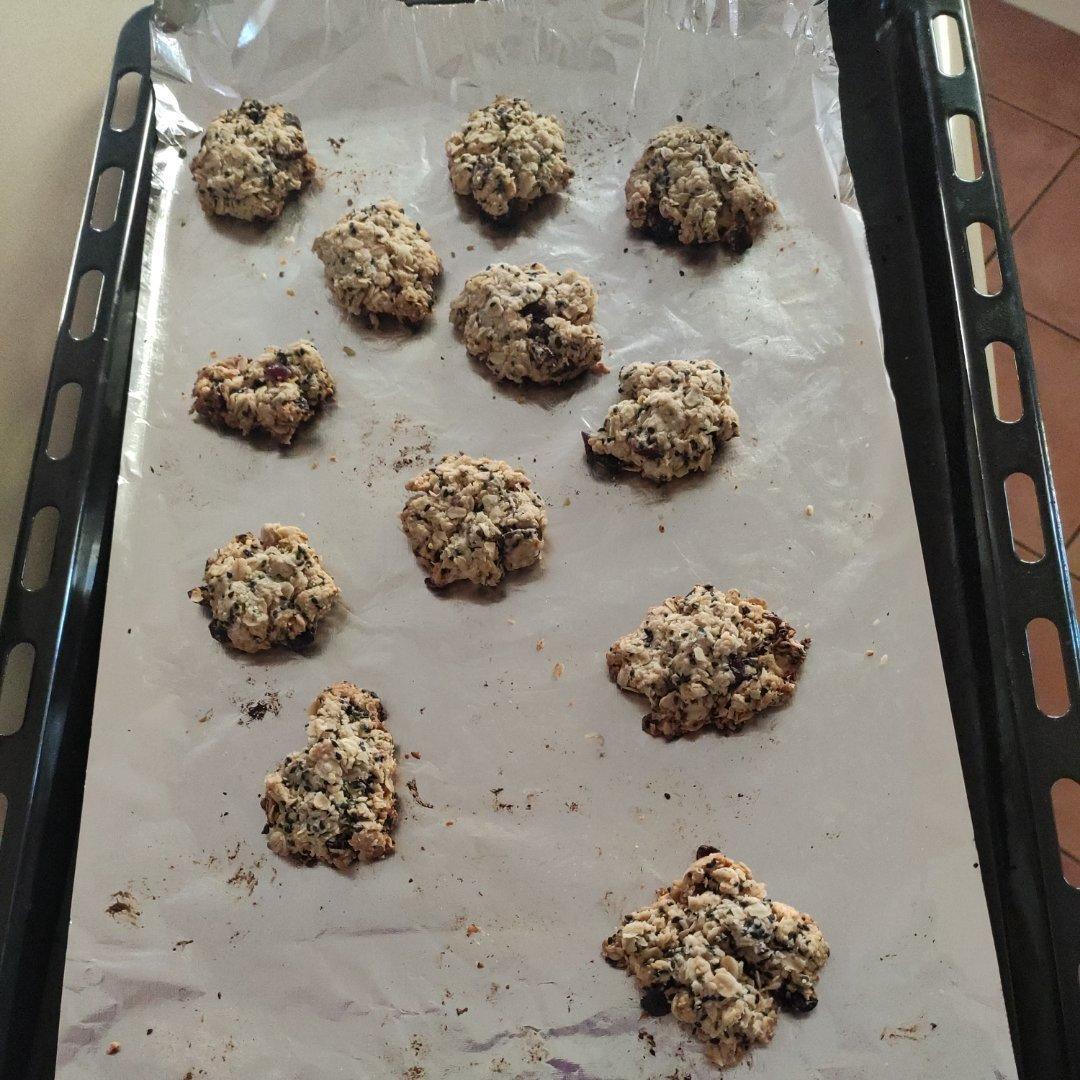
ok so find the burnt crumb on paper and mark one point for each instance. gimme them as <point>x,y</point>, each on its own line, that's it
<point>259,708</point>
<point>499,804</point>
<point>124,908</point>
<point>411,785</point>
<point>914,1032</point>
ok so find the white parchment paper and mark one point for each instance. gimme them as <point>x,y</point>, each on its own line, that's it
<point>475,949</point>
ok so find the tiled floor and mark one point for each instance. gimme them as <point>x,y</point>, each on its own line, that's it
<point>1031,74</point>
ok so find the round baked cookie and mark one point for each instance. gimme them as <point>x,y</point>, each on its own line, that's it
<point>335,801</point>
<point>274,393</point>
<point>529,322</point>
<point>672,419</point>
<point>251,159</point>
<point>507,156</point>
<point>379,261</point>
<point>473,519</point>
<point>695,185</point>
<point>266,590</point>
<point>709,657</point>
<point>717,953</point>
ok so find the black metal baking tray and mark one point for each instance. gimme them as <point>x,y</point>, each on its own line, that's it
<point>895,106</point>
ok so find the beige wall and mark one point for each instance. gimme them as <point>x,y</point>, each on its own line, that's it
<point>1063,12</point>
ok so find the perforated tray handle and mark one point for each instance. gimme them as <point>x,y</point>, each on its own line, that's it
<point>46,705</point>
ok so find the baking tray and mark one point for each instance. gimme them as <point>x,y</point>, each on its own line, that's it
<point>935,327</point>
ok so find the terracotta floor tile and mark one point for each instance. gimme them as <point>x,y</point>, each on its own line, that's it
<point>1026,60</point>
<point>1047,247</point>
<point>1057,374</point>
<point>1066,799</point>
<point>1029,153</point>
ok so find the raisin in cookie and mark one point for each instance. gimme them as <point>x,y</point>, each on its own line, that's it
<point>709,657</point>
<point>335,801</point>
<point>379,261</point>
<point>252,158</point>
<point>506,156</point>
<point>473,519</point>
<point>695,185</point>
<point>274,393</point>
<point>671,421</point>
<point>718,954</point>
<point>266,590</point>
<point>529,322</point>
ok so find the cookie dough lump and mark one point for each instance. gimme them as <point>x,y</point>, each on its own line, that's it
<point>718,954</point>
<point>709,657</point>
<point>473,519</point>
<point>252,158</point>
<point>506,156</point>
<point>695,185</point>
<point>379,261</point>
<point>671,420</point>
<point>266,590</point>
<point>529,322</point>
<point>274,393</point>
<point>335,801</point>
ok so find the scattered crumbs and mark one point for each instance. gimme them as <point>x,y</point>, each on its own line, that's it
<point>283,262</point>
<point>884,659</point>
<point>180,945</point>
<point>213,354</point>
<point>662,527</point>
<point>206,716</point>
<point>512,622</point>
<point>919,1030</point>
<point>601,368</point>
<point>449,824</point>
<point>566,501</point>
<point>876,622</point>
<point>817,269</point>
<point>415,753</point>
<point>348,350</point>
<point>333,457</point>
<point>411,785</point>
<point>253,711</point>
<point>469,247</point>
<point>463,1009</point>
<point>290,292</point>
<point>573,807</point>
<point>558,670</point>
<point>809,511</point>
<point>124,907</point>
<point>869,652</point>
<point>678,117</point>
<point>335,144</point>
<point>112,1048</point>
<point>471,929</point>
<point>540,645</point>
<point>649,1041</point>
<point>315,464</point>
<point>263,275</point>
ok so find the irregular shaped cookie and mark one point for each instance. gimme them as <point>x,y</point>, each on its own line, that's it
<point>274,393</point>
<point>671,421</point>
<point>335,801</point>
<point>529,322</point>
<point>506,156</point>
<point>695,185</point>
<point>709,657</point>
<point>473,519</point>
<point>378,262</point>
<point>718,954</point>
<point>251,159</point>
<point>266,590</point>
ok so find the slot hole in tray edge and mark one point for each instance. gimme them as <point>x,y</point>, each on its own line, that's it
<point>1047,668</point>
<point>106,198</point>
<point>37,561</point>
<point>1025,518</point>
<point>15,687</point>
<point>948,48</point>
<point>982,254</point>
<point>966,152</point>
<point>84,311</point>
<point>65,418</point>
<point>1065,801</point>
<point>125,101</point>
<point>1004,382</point>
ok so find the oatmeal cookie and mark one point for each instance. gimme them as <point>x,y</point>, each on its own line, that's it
<point>671,420</point>
<point>473,519</point>
<point>335,801</point>
<point>274,393</point>
<point>529,322</point>
<point>709,657</point>
<point>378,262</point>
<point>266,590</point>
<point>718,954</point>
<point>695,185</point>
<point>506,156</point>
<point>251,159</point>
